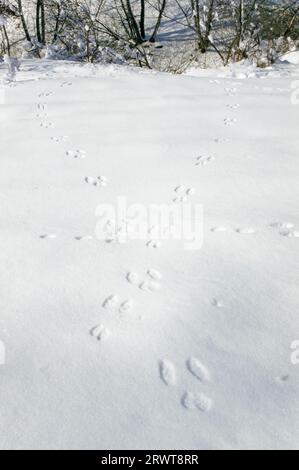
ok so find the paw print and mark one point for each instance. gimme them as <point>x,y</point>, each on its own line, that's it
<point>183,194</point>
<point>98,181</point>
<point>286,229</point>
<point>191,400</point>
<point>79,153</point>
<point>230,121</point>
<point>203,160</point>
<point>112,302</point>
<point>231,91</point>
<point>149,283</point>
<point>114,232</point>
<point>100,332</point>
<point>47,124</point>
<point>59,139</point>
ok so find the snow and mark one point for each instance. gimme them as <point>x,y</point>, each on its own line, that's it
<point>292,57</point>
<point>145,344</point>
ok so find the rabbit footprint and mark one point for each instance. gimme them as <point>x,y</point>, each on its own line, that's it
<point>100,332</point>
<point>98,181</point>
<point>182,194</point>
<point>200,401</point>
<point>149,283</point>
<point>79,153</point>
<point>189,399</point>
<point>203,160</point>
<point>167,372</point>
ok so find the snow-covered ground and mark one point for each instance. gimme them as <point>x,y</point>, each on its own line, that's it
<point>198,355</point>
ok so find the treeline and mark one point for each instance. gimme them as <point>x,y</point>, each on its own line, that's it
<point>163,34</point>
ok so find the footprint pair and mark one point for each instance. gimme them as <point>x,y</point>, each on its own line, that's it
<point>96,181</point>
<point>286,229</point>
<point>150,283</point>
<point>203,160</point>
<point>101,332</point>
<point>113,302</point>
<point>183,194</point>
<point>191,400</point>
<point>242,231</point>
<point>79,153</point>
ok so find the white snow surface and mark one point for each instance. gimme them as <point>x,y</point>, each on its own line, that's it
<point>120,345</point>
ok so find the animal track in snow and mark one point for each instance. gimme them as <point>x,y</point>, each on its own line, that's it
<point>282,379</point>
<point>167,372</point>
<point>290,233</point>
<point>150,282</point>
<point>154,244</point>
<point>126,306</point>
<point>98,181</point>
<point>232,91</point>
<point>100,332</point>
<point>64,84</point>
<point>200,401</point>
<point>46,94</point>
<point>189,399</point>
<point>112,302</point>
<point>132,278</point>
<point>183,194</point>
<point>198,369</point>
<point>42,116</point>
<point>233,106</point>
<point>47,236</point>
<point>79,153</point>
<point>282,225</point>
<point>41,106</point>
<point>113,232</point>
<point>61,138</point>
<point>150,286</point>
<point>203,160</point>
<point>245,231</point>
<point>286,229</point>
<point>154,274</point>
<point>230,121</point>
<point>217,303</point>
<point>117,311</point>
<point>241,231</point>
<point>221,140</point>
<point>219,228</point>
<point>47,124</point>
<point>83,238</point>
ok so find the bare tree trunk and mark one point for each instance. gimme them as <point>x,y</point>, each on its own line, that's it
<point>197,27</point>
<point>158,23</point>
<point>55,35</point>
<point>209,25</point>
<point>24,24</point>
<point>43,22</point>
<point>142,19</point>
<point>40,22</point>
<point>37,19</point>
<point>133,23</point>
<point>6,39</point>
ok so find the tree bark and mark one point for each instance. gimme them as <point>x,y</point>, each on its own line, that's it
<point>158,23</point>
<point>24,24</point>
<point>142,19</point>
<point>40,22</point>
